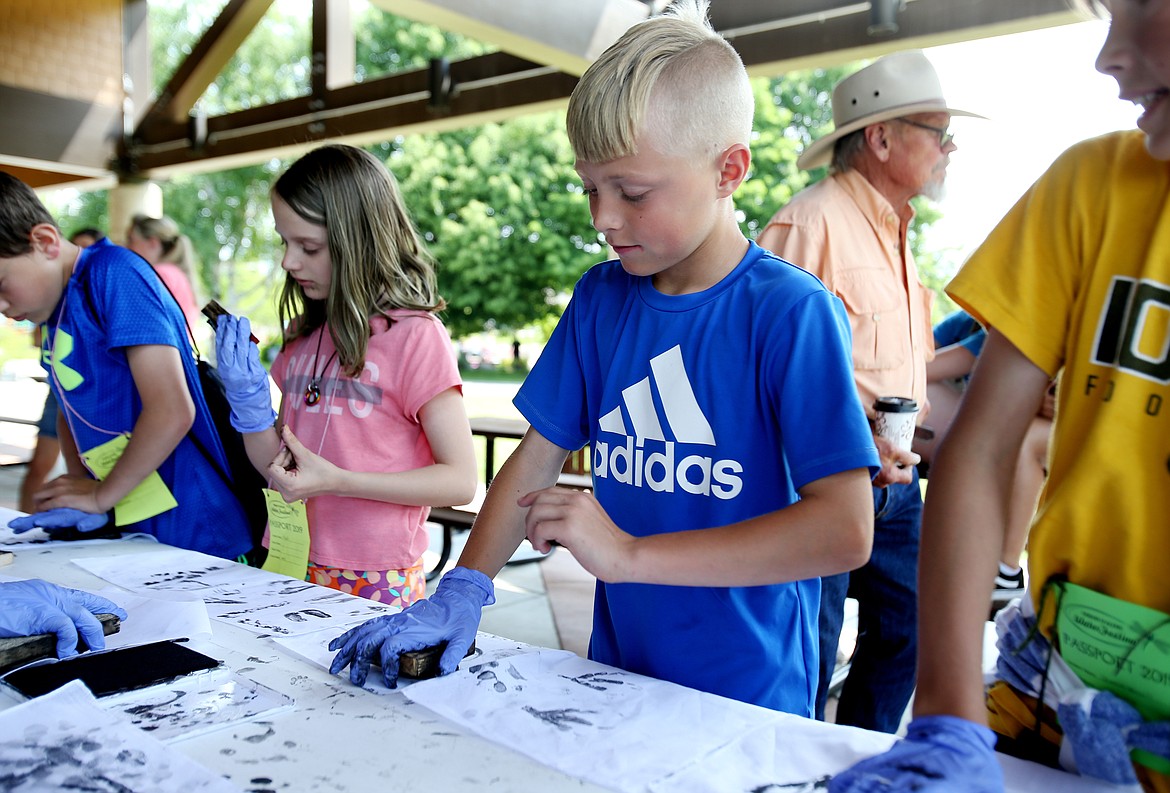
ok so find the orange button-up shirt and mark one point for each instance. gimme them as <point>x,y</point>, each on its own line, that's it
<point>847,234</point>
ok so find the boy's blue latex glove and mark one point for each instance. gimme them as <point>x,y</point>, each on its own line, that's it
<point>450,615</point>
<point>1100,728</point>
<point>31,607</point>
<point>59,518</point>
<point>939,753</point>
<point>245,380</point>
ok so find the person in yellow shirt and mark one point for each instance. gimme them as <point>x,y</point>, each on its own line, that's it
<point>1073,281</point>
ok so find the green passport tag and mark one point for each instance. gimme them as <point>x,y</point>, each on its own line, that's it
<point>1118,647</point>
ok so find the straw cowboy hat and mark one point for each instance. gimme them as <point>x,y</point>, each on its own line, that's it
<point>897,85</point>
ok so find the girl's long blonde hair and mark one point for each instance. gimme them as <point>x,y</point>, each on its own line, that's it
<point>378,258</point>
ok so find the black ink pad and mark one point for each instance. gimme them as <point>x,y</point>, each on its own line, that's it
<point>112,671</point>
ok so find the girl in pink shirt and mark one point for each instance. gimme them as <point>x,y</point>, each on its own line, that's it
<point>170,253</point>
<point>372,430</point>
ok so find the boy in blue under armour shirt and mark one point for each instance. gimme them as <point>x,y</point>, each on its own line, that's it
<point>731,457</point>
<point>121,367</point>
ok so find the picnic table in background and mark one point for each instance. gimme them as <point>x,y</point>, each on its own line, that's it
<point>460,517</point>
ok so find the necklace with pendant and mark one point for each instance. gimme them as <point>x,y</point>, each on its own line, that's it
<point>313,389</point>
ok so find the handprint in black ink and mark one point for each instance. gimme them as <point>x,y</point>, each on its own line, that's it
<point>560,718</point>
<point>598,681</point>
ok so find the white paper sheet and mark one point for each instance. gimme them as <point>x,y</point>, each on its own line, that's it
<point>280,606</point>
<point>789,754</point>
<point>639,735</point>
<point>171,570</point>
<point>197,704</point>
<point>797,755</point>
<point>256,600</point>
<point>151,619</point>
<point>64,742</point>
<point>611,727</point>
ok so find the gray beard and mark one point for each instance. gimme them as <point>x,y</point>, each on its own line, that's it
<point>934,190</point>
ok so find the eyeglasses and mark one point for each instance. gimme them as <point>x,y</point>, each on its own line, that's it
<point>945,136</point>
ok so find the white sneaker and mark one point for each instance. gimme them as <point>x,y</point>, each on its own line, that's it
<point>1009,585</point>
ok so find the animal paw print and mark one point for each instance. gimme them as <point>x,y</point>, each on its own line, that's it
<point>487,676</point>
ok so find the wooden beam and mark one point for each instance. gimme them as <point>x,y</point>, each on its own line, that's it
<point>334,47</point>
<point>69,135</point>
<point>499,86</point>
<point>565,34</point>
<point>827,40</point>
<point>498,67</point>
<point>359,124</point>
<point>213,51</point>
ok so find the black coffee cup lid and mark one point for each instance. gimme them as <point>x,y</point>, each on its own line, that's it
<point>893,404</point>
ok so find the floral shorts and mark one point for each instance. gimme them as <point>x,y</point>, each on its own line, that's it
<point>392,587</point>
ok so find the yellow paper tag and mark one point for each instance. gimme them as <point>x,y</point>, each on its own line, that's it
<point>288,536</point>
<point>151,497</point>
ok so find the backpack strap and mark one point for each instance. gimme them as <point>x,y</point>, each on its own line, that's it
<point>91,304</point>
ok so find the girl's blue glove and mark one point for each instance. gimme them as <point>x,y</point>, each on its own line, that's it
<point>944,754</point>
<point>28,608</point>
<point>450,615</point>
<point>59,518</point>
<point>244,378</point>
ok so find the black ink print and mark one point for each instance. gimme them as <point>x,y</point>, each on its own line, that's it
<point>298,616</point>
<point>146,716</point>
<point>821,783</point>
<point>233,615</point>
<point>293,588</point>
<point>487,676</point>
<point>262,737</point>
<point>598,681</point>
<point>561,718</point>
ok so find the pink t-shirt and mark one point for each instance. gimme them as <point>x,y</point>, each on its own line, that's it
<point>177,281</point>
<point>368,424</point>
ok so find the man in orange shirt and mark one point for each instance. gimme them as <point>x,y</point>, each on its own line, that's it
<point>890,144</point>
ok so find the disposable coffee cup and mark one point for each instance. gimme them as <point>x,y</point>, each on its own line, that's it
<point>894,420</point>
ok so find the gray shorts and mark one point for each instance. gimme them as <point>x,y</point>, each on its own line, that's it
<point>47,426</point>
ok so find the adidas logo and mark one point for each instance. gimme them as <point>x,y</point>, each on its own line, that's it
<point>646,458</point>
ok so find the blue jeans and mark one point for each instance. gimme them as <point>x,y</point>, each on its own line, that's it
<point>881,678</point>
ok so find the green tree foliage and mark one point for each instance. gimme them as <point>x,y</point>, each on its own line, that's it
<point>385,44</point>
<point>80,210</point>
<point>502,210</point>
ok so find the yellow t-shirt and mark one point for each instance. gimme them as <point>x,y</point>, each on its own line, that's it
<point>1077,275</point>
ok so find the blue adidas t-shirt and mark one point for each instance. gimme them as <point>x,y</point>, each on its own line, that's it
<point>114,300</point>
<point>703,410</point>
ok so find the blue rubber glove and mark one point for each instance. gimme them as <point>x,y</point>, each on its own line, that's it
<point>1023,652</point>
<point>60,518</point>
<point>31,607</point>
<point>245,380</point>
<point>1100,728</point>
<point>939,753</point>
<point>1152,737</point>
<point>450,615</point>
